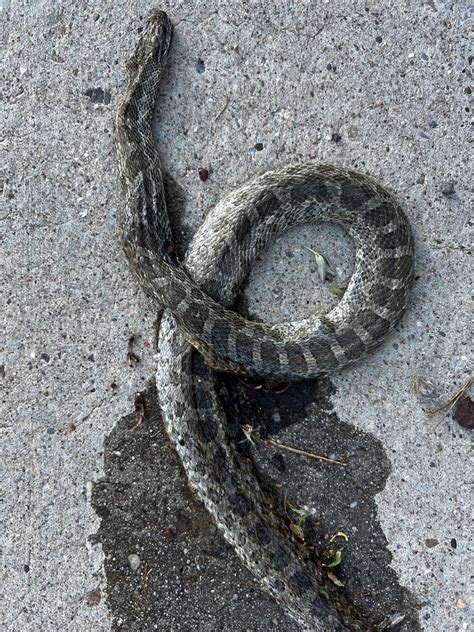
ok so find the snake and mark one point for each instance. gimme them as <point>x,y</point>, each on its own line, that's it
<point>200,334</point>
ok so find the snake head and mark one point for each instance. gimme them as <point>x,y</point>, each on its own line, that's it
<point>154,42</point>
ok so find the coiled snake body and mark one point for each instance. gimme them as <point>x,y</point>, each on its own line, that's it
<point>197,294</point>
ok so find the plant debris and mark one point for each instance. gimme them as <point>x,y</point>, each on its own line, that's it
<point>203,174</point>
<point>302,512</point>
<point>93,598</point>
<point>140,408</point>
<point>339,534</point>
<point>334,557</point>
<point>146,573</point>
<point>309,455</point>
<point>297,531</point>
<point>464,413</point>
<point>334,579</point>
<point>326,270</point>
<point>454,399</point>
<point>223,109</point>
<point>338,291</point>
<point>132,358</point>
<point>247,430</point>
<point>249,435</point>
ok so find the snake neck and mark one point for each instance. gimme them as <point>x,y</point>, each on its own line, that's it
<point>134,119</point>
<point>143,220</point>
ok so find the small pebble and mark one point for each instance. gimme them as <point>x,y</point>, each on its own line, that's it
<point>134,561</point>
<point>259,146</point>
<point>431,542</point>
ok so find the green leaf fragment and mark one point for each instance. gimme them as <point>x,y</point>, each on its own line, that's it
<point>338,291</point>
<point>336,559</point>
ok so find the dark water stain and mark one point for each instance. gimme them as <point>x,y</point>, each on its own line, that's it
<point>189,578</point>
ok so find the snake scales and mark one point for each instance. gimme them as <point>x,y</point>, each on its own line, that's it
<point>197,295</point>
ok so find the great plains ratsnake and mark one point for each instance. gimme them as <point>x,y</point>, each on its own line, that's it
<point>197,294</point>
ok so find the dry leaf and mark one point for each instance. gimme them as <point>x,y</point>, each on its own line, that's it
<point>334,579</point>
<point>298,531</point>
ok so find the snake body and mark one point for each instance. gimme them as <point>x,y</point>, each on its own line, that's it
<point>197,295</point>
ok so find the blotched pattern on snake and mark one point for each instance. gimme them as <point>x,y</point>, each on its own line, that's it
<point>197,295</point>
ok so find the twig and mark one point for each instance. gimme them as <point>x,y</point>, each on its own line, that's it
<point>310,455</point>
<point>248,430</point>
<point>132,358</point>
<point>224,108</point>
<point>280,388</point>
<point>454,399</point>
<point>146,573</point>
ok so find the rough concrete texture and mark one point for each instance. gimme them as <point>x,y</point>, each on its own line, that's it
<point>380,86</point>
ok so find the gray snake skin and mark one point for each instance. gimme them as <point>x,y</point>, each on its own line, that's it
<point>197,295</point>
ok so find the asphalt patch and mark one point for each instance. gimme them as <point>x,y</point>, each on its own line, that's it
<point>167,566</point>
